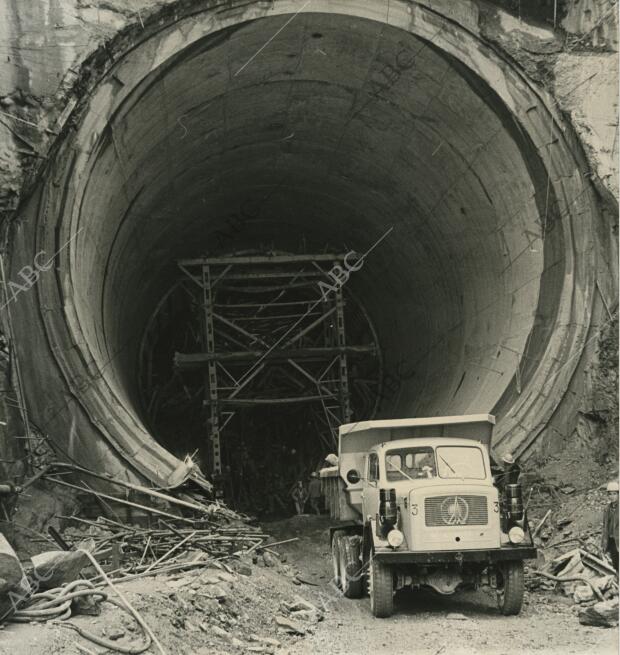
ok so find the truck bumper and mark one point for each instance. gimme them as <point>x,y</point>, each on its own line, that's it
<point>486,556</point>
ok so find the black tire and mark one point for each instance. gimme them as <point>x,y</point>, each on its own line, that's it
<point>336,537</point>
<point>510,587</point>
<point>380,588</point>
<point>351,567</point>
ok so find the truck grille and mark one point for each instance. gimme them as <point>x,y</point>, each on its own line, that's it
<point>456,509</point>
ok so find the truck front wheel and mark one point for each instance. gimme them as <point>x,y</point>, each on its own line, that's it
<point>510,587</point>
<point>351,567</point>
<point>380,588</point>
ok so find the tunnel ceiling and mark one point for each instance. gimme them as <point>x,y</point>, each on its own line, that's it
<point>340,129</point>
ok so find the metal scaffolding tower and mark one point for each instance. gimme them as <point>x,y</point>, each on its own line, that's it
<point>266,313</point>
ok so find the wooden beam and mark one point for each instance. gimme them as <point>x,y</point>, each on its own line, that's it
<point>266,259</point>
<point>272,401</point>
<point>188,361</point>
<point>267,304</point>
<point>273,274</point>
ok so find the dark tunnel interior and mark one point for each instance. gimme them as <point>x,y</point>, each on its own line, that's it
<point>324,166</point>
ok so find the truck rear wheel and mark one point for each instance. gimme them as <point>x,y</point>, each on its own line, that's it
<point>336,537</point>
<point>380,588</point>
<point>510,587</point>
<point>351,567</point>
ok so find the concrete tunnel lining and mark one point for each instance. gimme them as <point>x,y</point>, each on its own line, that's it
<point>463,292</point>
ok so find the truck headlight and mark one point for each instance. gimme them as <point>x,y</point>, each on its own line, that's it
<point>516,535</point>
<point>395,538</point>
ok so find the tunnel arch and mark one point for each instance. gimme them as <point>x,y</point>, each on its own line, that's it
<point>335,135</point>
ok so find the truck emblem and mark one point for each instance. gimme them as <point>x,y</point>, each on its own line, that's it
<point>454,510</point>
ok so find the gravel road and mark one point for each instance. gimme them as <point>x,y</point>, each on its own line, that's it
<point>426,623</point>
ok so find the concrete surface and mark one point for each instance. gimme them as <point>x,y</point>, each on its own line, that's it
<point>333,127</point>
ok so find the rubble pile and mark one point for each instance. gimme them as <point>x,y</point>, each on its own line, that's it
<point>221,608</point>
<point>570,560</point>
<point>226,609</point>
<point>563,516</point>
<point>203,555</point>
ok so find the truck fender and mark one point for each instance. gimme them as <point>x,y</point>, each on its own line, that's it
<point>347,528</point>
<point>370,534</point>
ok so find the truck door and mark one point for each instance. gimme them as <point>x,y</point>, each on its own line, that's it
<point>370,502</point>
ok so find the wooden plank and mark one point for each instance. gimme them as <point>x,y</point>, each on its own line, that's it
<point>150,510</point>
<point>262,259</point>
<point>271,401</point>
<point>594,562</point>
<point>196,360</point>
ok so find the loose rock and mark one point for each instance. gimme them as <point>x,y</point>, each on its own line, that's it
<point>290,626</point>
<point>601,615</point>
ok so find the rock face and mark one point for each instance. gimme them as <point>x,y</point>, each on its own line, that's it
<point>601,615</point>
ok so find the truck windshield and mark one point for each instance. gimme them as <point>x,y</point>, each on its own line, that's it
<point>410,464</point>
<point>460,462</point>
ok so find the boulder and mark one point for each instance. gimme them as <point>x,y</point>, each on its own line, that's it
<point>601,615</point>
<point>57,567</point>
<point>11,572</point>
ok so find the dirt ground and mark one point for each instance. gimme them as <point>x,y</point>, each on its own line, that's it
<point>191,614</point>
<point>466,623</point>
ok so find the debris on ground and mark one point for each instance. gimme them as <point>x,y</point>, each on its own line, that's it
<point>585,579</point>
<point>301,610</point>
<point>198,553</point>
<point>566,517</point>
<point>290,625</point>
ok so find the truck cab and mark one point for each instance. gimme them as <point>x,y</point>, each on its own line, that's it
<point>419,505</point>
<point>445,497</point>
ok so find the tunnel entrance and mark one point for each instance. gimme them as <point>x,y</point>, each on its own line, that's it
<point>345,126</point>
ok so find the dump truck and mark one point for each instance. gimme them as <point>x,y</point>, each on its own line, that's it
<point>421,503</point>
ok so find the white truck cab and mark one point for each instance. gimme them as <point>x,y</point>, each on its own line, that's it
<point>418,505</point>
<point>444,492</point>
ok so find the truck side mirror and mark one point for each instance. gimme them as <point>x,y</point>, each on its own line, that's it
<point>353,476</point>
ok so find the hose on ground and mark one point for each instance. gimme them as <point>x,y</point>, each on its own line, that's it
<point>106,643</point>
<point>56,604</point>
<point>574,578</point>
